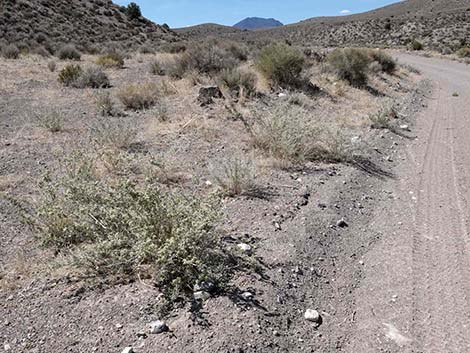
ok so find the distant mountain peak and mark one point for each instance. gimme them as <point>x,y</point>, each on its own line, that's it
<point>253,23</point>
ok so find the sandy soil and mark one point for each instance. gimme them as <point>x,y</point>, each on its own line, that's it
<point>415,293</point>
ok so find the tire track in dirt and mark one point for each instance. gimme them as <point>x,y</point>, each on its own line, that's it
<point>424,255</point>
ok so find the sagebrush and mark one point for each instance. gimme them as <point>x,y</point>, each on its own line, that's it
<point>117,229</point>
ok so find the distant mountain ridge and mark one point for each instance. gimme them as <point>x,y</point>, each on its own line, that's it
<point>252,23</point>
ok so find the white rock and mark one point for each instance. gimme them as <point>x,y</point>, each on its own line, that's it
<point>404,127</point>
<point>7,347</point>
<point>312,315</point>
<point>201,295</point>
<point>158,326</point>
<point>247,295</point>
<point>128,350</point>
<point>208,183</point>
<point>281,95</point>
<point>247,249</point>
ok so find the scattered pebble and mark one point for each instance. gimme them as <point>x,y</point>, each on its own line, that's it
<point>312,315</point>
<point>158,327</point>
<point>247,249</point>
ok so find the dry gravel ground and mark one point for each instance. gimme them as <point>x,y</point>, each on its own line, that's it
<point>415,293</point>
<point>308,261</point>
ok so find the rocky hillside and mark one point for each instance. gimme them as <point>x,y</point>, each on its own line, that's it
<point>252,23</point>
<point>86,23</point>
<point>438,24</point>
<point>207,30</point>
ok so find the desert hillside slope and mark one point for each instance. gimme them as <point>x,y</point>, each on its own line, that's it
<point>439,24</point>
<point>86,23</point>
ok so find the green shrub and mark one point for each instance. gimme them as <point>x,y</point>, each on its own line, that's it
<point>463,52</point>
<point>70,74</point>
<point>133,11</point>
<point>139,96</point>
<point>239,83</point>
<point>387,63</point>
<point>416,45</point>
<point>281,63</point>
<point>10,52</point>
<point>113,59</point>
<point>350,64</point>
<point>91,77</point>
<point>68,52</point>
<point>117,230</point>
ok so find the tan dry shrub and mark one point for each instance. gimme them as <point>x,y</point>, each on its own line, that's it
<point>139,96</point>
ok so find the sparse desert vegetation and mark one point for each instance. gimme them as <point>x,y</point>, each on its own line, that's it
<point>149,176</point>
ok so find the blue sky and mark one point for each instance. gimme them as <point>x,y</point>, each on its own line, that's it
<point>181,13</point>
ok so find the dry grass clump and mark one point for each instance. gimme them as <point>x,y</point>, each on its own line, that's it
<point>114,133</point>
<point>111,60</point>
<point>384,118</point>
<point>281,64</point>
<point>463,52</point>
<point>51,120</point>
<point>235,176</point>
<point>68,52</point>
<point>118,230</point>
<point>92,77</point>
<point>238,82</point>
<point>350,64</point>
<point>156,68</point>
<point>105,104</point>
<point>139,96</point>
<point>10,52</point>
<point>287,133</point>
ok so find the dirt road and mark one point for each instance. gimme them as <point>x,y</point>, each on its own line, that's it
<point>415,295</point>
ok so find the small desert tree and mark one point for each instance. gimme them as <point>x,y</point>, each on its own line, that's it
<point>133,11</point>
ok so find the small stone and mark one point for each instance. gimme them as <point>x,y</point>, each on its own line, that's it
<point>404,127</point>
<point>247,249</point>
<point>158,327</point>
<point>342,223</point>
<point>208,183</point>
<point>247,296</point>
<point>276,333</point>
<point>361,263</point>
<point>312,315</point>
<point>128,350</point>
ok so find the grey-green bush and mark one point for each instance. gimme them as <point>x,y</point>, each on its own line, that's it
<point>68,52</point>
<point>281,64</point>
<point>387,63</point>
<point>117,230</point>
<point>10,52</point>
<point>350,64</point>
<point>238,82</point>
